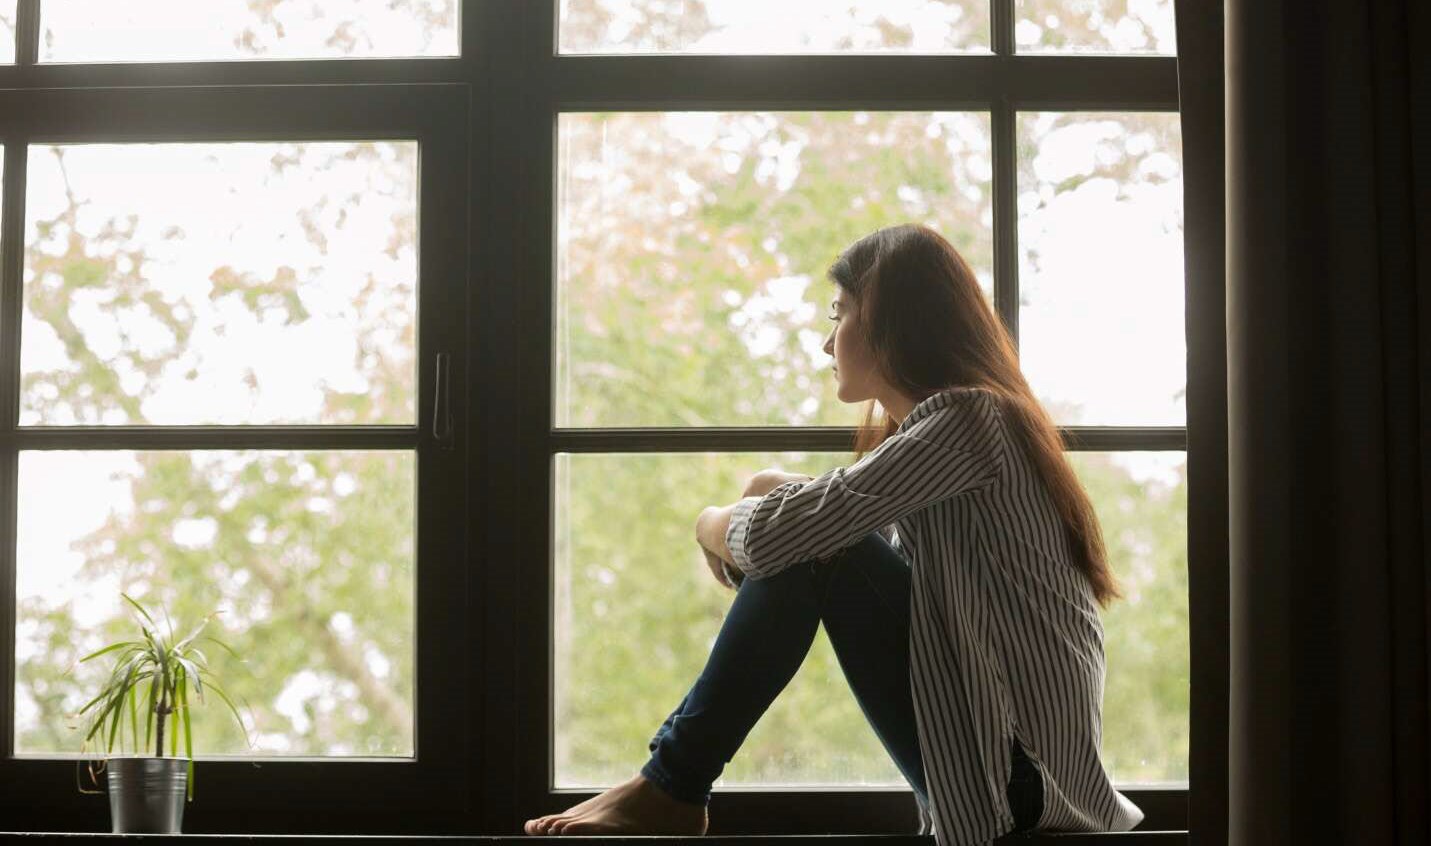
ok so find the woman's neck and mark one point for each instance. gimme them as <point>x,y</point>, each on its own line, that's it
<point>897,406</point>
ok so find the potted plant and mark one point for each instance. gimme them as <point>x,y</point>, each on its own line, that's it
<point>151,680</point>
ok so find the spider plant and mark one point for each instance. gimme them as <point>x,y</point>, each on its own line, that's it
<point>168,670</point>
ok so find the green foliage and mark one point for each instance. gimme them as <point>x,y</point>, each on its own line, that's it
<point>165,668</point>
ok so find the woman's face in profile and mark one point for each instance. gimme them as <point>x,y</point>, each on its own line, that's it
<point>855,379</point>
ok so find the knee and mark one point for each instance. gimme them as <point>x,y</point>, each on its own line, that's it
<point>761,484</point>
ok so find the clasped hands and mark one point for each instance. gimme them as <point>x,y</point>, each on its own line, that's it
<point>713,522</point>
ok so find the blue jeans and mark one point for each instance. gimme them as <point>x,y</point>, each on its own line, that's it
<point>861,594</point>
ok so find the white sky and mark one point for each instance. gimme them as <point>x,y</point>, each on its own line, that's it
<point>186,30</point>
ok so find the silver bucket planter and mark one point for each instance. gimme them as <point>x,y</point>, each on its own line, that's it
<point>146,795</point>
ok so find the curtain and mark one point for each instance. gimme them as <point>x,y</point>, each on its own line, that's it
<point>1328,191</point>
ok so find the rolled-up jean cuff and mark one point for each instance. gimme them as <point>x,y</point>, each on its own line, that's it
<point>653,773</point>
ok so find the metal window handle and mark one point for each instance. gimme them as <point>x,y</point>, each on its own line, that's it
<point>442,403</point>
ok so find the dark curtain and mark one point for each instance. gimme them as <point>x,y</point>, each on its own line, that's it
<point>1328,177</point>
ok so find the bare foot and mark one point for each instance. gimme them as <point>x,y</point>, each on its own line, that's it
<point>634,807</point>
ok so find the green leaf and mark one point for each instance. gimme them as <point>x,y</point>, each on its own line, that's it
<point>114,722</point>
<point>131,601</point>
<point>224,696</point>
<point>90,704</point>
<point>199,657</point>
<point>134,716</point>
<point>101,718</point>
<point>110,648</point>
<point>184,644</point>
<point>228,648</point>
<point>192,672</point>
<point>149,714</point>
<point>188,737</point>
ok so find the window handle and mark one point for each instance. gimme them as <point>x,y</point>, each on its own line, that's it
<point>442,403</point>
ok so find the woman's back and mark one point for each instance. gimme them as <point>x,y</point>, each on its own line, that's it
<point>1006,640</point>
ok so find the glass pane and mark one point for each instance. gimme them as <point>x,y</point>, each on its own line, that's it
<point>637,611</point>
<point>758,26</point>
<point>1095,26</point>
<point>692,249</point>
<point>220,283</point>
<point>234,30</point>
<point>1141,500</point>
<point>7,31</point>
<point>309,556</point>
<point>1101,335</point>
<point>636,614</point>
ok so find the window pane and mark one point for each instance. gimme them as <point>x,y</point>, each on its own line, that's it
<point>1141,500</point>
<point>637,611</point>
<point>1094,26</point>
<point>758,26</point>
<point>232,30</point>
<point>692,250</point>
<point>220,283</point>
<point>1101,335</point>
<point>7,31</point>
<point>309,555</point>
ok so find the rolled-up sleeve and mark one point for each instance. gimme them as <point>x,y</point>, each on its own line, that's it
<point>952,452</point>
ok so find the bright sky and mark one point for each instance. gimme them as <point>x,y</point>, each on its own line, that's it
<point>185,30</point>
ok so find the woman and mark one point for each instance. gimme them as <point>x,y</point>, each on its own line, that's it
<point>957,566</point>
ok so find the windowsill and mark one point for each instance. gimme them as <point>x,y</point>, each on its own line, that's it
<point>1126,838</point>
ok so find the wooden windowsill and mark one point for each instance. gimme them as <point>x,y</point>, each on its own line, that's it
<point>1127,838</point>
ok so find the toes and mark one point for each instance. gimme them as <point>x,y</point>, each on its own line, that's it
<point>540,825</point>
<point>587,827</point>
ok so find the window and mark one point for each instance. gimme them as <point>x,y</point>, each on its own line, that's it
<point>224,312</point>
<point>687,311</point>
<point>415,334</point>
<point>244,30</point>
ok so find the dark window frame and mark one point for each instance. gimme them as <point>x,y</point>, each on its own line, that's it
<point>500,106</point>
<point>282,794</point>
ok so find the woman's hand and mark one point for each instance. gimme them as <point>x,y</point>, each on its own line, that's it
<point>713,523</point>
<point>718,569</point>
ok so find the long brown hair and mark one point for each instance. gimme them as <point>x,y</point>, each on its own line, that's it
<point>929,328</point>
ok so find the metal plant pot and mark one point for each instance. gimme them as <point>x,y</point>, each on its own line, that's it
<point>146,795</point>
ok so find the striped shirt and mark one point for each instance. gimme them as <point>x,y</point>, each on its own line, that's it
<point>1005,637</point>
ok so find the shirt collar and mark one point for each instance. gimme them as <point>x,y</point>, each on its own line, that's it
<point>930,404</point>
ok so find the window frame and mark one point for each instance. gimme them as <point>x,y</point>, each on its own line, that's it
<point>41,792</point>
<point>500,105</point>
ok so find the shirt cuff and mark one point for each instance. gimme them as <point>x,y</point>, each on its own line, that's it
<point>739,527</point>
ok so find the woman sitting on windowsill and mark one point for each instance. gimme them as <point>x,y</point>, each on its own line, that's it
<point>957,566</point>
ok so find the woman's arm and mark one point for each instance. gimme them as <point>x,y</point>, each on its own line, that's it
<point>952,451</point>
<point>714,522</point>
<point>711,527</point>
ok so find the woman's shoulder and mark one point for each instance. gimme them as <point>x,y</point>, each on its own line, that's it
<point>960,407</point>
<point>963,396</point>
